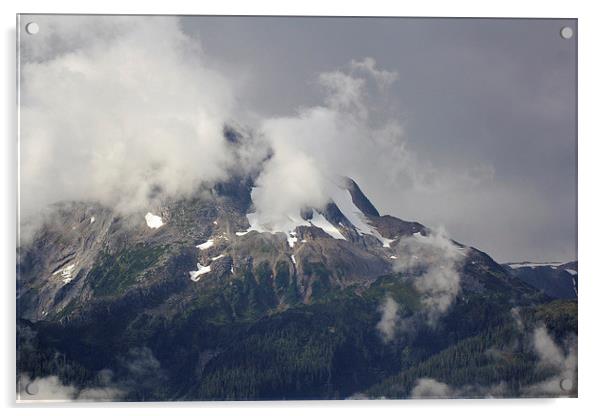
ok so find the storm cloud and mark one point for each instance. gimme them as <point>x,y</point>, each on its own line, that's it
<point>122,113</point>
<point>473,99</point>
<point>452,130</point>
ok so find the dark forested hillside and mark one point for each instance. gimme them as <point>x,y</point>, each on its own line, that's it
<point>202,306</point>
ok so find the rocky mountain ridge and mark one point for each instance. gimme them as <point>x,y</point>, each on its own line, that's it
<point>198,298</point>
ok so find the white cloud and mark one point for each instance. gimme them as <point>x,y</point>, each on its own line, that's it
<point>515,312</point>
<point>429,388</point>
<point>383,78</point>
<point>354,132</point>
<point>549,353</point>
<point>52,389</point>
<point>389,319</point>
<point>116,109</point>
<point>290,181</point>
<point>44,388</point>
<point>103,394</point>
<point>345,93</point>
<point>431,263</point>
<point>346,135</point>
<point>552,357</point>
<point>113,109</point>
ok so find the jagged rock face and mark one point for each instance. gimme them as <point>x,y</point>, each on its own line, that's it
<point>228,310</point>
<point>360,200</point>
<point>87,255</point>
<point>559,281</point>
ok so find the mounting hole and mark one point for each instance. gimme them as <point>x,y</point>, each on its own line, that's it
<point>566,384</point>
<point>32,28</point>
<point>32,389</point>
<point>566,32</point>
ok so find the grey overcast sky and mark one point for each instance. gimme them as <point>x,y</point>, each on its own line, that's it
<point>476,135</point>
<point>494,93</point>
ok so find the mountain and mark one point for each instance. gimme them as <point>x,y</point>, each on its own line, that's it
<point>200,299</point>
<point>557,280</point>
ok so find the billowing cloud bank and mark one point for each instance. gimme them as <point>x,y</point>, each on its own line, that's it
<point>128,110</point>
<point>560,361</point>
<point>101,93</point>
<point>117,109</point>
<point>319,143</point>
<point>121,110</point>
<point>431,264</point>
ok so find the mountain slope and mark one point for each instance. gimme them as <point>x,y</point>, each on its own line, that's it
<point>198,299</point>
<point>556,280</point>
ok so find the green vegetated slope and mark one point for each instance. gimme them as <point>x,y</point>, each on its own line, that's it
<point>233,340</point>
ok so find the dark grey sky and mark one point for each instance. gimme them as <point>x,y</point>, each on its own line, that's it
<point>494,93</point>
<point>487,147</point>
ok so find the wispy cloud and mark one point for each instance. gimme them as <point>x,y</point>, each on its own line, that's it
<point>561,362</point>
<point>126,109</point>
<point>431,263</point>
<point>336,137</point>
<point>138,371</point>
<point>116,108</point>
<point>382,77</point>
<point>429,388</point>
<point>50,388</point>
<point>389,319</point>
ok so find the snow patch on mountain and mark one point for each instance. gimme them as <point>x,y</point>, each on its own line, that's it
<point>207,244</point>
<point>553,265</point>
<point>289,223</point>
<point>342,198</point>
<point>291,238</point>
<point>286,224</point>
<point>386,241</point>
<point>195,275</point>
<point>153,221</point>
<point>318,220</point>
<point>344,201</point>
<point>66,273</point>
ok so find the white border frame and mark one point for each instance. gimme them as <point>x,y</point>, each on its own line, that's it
<point>589,195</point>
